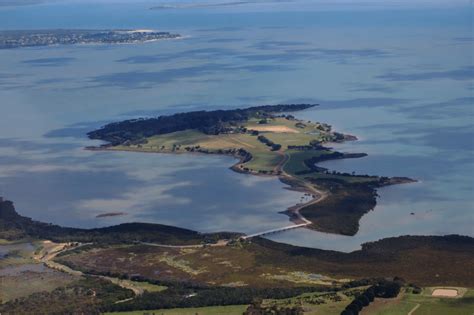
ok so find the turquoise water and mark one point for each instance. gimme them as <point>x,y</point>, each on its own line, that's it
<point>400,79</point>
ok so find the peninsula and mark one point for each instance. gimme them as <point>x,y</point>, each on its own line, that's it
<point>33,38</point>
<point>267,141</point>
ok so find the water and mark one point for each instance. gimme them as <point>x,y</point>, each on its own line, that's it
<point>399,79</point>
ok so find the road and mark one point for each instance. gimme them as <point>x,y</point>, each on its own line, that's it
<point>277,230</point>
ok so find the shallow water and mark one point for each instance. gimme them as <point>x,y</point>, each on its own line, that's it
<point>16,270</point>
<point>401,83</point>
<point>15,248</point>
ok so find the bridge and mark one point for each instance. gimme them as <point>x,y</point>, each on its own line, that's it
<point>278,230</point>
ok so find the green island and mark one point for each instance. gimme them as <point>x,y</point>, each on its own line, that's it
<point>157,269</point>
<point>266,142</point>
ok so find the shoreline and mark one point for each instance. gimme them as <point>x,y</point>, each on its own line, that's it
<point>292,183</point>
<point>293,212</point>
<point>350,196</point>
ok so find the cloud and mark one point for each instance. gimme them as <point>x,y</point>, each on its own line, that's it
<point>450,139</point>
<point>201,53</point>
<point>349,52</point>
<point>13,169</point>
<point>148,79</point>
<point>355,102</point>
<point>276,44</point>
<point>13,81</point>
<point>464,39</point>
<point>377,88</point>
<point>49,62</point>
<point>466,73</point>
<point>137,199</point>
<point>445,140</point>
<point>6,3</point>
<point>277,57</point>
<point>225,40</point>
<point>459,107</point>
<point>285,51</point>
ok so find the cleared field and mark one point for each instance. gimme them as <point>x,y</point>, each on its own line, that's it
<point>263,158</point>
<point>424,304</point>
<point>327,303</point>
<point>282,131</point>
<point>212,310</point>
<point>300,126</point>
<point>295,163</point>
<point>22,275</point>
<point>445,292</point>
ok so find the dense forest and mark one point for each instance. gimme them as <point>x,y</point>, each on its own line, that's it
<point>209,122</point>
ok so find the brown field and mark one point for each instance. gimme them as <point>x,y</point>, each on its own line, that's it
<point>445,292</point>
<point>264,263</point>
<point>279,129</point>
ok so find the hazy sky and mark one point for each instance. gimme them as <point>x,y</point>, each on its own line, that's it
<point>325,3</point>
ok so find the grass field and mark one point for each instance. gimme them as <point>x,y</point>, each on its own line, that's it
<point>425,305</point>
<point>327,303</point>
<point>296,160</point>
<point>263,158</point>
<point>212,310</point>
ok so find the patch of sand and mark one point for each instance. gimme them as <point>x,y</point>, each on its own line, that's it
<point>274,129</point>
<point>445,292</point>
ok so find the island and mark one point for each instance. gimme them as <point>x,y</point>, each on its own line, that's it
<point>33,38</point>
<point>267,141</point>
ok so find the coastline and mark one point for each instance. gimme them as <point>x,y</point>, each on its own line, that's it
<point>293,212</point>
<point>292,152</point>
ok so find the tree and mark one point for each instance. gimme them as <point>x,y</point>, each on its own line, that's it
<point>364,300</point>
<point>370,295</point>
<point>354,309</point>
<point>276,147</point>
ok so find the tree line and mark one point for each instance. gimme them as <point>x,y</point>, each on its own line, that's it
<point>208,122</point>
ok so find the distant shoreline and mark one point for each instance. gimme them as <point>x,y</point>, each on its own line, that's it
<point>38,38</point>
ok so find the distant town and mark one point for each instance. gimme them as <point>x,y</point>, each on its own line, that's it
<point>16,39</point>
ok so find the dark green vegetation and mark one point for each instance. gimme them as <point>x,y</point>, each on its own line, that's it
<point>347,197</point>
<point>185,296</point>
<point>266,142</point>
<point>352,200</point>
<point>85,296</point>
<point>24,38</point>
<point>14,226</point>
<point>258,309</point>
<point>208,122</point>
<point>383,289</point>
